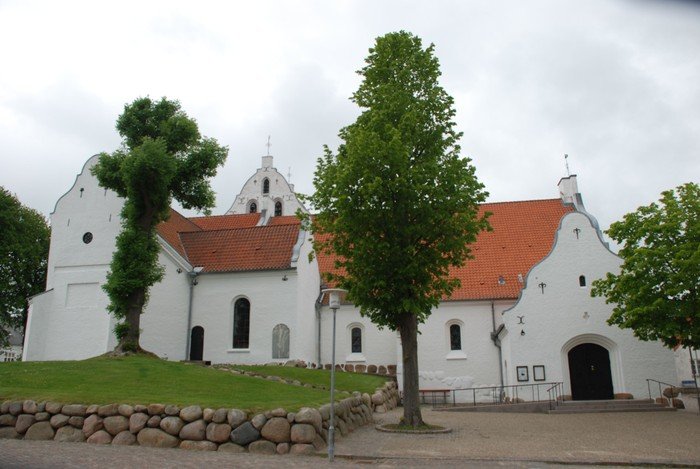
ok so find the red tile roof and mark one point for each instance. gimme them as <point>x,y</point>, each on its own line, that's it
<point>242,249</point>
<point>523,234</point>
<point>227,222</point>
<point>170,230</point>
<point>286,220</point>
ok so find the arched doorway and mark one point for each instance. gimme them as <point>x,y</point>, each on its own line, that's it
<point>197,344</point>
<point>589,370</point>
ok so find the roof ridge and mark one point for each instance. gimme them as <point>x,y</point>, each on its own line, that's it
<point>240,228</point>
<point>553,199</point>
<point>223,215</point>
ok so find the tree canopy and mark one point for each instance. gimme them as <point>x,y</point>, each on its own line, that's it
<point>24,250</point>
<point>396,203</point>
<point>657,292</point>
<point>163,156</point>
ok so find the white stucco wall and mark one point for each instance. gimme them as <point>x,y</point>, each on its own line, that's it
<point>565,315</point>
<point>305,336</point>
<point>280,190</point>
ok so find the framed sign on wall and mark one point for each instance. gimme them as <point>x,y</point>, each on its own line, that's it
<point>538,373</point>
<point>522,373</point>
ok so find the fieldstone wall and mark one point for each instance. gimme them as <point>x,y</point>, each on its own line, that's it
<point>194,428</point>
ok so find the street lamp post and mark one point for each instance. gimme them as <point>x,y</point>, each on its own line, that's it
<point>334,303</point>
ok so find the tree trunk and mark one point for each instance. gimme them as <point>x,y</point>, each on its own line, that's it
<point>130,342</point>
<point>408,328</point>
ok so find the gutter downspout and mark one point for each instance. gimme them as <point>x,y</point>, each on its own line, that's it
<point>496,341</point>
<point>317,307</point>
<point>193,274</point>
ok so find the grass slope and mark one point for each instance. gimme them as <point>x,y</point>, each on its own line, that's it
<point>144,380</point>
<point>343,381</point>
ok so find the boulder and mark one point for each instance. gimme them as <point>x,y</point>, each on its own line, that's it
<point>218,432</point>
<point>325,411</point>
<point>277,430</point>
<point>24,421</point>
<point>9,433</point>
<point>69,434</point>
<point>677,403</point>
<point>231,448</point>
<point>40,431</point>
<point>76,422</point>
<point>303,433</point>
<point>42,416</point>
<point>245,434</point>
<point>623,395</point>
<point>195,431</point>
<point>92,424</point>
<point>137,421</point>
<point>262,447</point>
<point>302,448</point>
<point>279,412</point>
<point>219,416</point>
<point>258,421</point>
<point>5,407</point>
<point>191,413</point>
<point>100,437</point>
<point>15,408</point>
<point>108,410</point>
<point>125,438</point>
<point>349,368</point>
<point>7,420</point>
<point>156,409</point>
<point>198,445</point>
<point>92,409</point>
<point>319,443</point>
<point>360,368</point>
<point>172,410</point>
<point>207,414</point>
<point>667,392</point>
<point>141,408</point>
<point>236,417</point>
<point>153,422</point>
<point>372,369</point>
<point>172,425</point>
<point>378,398</point>
<point>157,438</point>
<point>53,407</point>
<point>116,424</point>
<point>310,416</point>
<point>291,416</point>
<point>342,426</point>
<point>77,410</point>
<point>282,448</point>
<point>125,410</point>
<point>29,407</point>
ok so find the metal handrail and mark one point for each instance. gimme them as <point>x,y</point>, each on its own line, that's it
<point>499,394</point>
<point>661,394</point>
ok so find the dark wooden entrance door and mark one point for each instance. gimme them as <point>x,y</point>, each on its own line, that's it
<point>197,343</point>
<point>589,369</point>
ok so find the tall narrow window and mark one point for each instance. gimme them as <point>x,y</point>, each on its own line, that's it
<point>455,337</point>
<point>278,209</point>
<point>280,341</point>
<point>582,281</point>
<point>266,186</point>
<point>253,207</point>
<point>356,338</point>
<point>241,323</point>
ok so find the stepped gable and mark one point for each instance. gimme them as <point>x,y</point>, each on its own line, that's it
<point>232,243</point>
<point>523,234</point>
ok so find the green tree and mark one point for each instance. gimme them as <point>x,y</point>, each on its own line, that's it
<point>24,249</point>
<point>657,292</point>
<point>397,203</point>
<point>163,156</point>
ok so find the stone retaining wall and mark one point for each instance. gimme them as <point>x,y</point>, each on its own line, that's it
<point>169,426</point>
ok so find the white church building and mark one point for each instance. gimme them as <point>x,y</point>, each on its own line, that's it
<point>239,288</point>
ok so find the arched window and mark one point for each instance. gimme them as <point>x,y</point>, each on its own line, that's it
<point>266,186</point>
<point>280,341</point>
<point>253,208</point>
<point>455,337</point>
<point>278,209</point>
<point>582,281</point>
<point>241,323</point>
<point>356,340</point>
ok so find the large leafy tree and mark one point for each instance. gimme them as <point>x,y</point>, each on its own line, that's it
<point>396,203</point>
<point>24,249</point>
<point>163,156</point>
<point>657,292</point>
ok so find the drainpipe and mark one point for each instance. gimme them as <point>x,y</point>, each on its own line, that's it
<point>496,341</point>
<point>318,306</point>
<point>193,281</point>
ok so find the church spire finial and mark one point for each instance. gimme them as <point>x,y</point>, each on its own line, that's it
<point>268,145</point>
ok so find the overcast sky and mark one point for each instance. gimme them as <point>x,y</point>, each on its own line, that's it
<point>615,84</point>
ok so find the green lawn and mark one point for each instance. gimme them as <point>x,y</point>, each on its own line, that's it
<point>343,381</point>
<point>144,380</point>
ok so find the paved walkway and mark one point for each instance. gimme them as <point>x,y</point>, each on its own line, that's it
<point>488,440</point>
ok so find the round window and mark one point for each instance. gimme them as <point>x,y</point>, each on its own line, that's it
<point>87,237</point>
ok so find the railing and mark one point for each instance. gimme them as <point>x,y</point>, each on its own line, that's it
<point>9,356</point>
<point>673,393</point>
<point>511,394</point>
